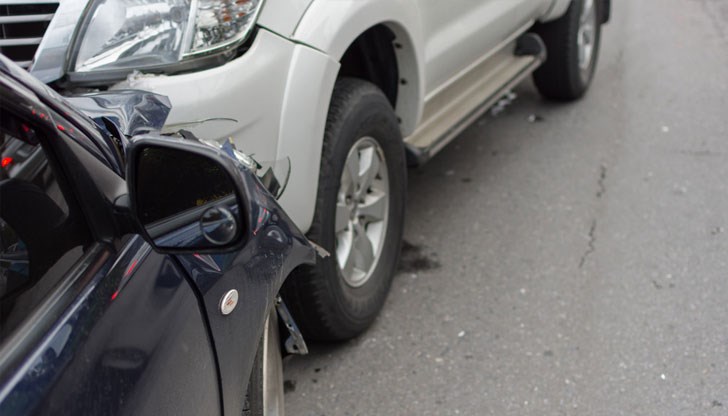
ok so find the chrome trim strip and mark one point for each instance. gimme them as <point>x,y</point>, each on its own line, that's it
<point>22,2</point>
<point>20,41</point>
<point>26,18</point>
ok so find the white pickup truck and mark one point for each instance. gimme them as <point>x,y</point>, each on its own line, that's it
<point>352,91</point>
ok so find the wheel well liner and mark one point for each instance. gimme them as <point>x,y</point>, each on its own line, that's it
<point>606,11</point>
<point>372,57</point>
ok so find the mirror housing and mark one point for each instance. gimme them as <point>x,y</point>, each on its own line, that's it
<point>185,196</point>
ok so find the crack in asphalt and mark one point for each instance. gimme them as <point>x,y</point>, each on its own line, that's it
<point>601,191</point>
<point>591,246</point>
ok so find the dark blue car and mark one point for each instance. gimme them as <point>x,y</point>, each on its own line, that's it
<point>139,273</point>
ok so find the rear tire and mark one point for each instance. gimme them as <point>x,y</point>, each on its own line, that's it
<point>359,217</point>
<point>572,42</point>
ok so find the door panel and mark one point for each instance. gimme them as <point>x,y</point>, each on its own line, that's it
<point>134,342</point>
<point>459,33</point>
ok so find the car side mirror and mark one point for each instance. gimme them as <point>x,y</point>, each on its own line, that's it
<point>186,196</point>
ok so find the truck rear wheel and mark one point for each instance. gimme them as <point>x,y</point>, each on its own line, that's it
<point>572,42</point>
<point>359,217</point>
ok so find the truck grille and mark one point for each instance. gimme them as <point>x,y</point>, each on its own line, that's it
<point>22,27</point>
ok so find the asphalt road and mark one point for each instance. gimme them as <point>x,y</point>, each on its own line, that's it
<point>573,265</point>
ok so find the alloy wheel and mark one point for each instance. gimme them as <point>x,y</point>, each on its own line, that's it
<point>272,369</point>
<point>362,208</point>
<point>587,37</point>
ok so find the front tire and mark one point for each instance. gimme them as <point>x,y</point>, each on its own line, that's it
<point>265,388</point>
<point>572,42</point>
<point>359,217</point>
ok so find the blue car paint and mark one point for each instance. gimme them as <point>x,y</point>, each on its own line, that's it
<point>257,273</point>
<point>134,331</point>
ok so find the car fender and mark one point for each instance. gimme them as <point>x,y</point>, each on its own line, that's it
<point>309,84</point>
<point>282,16</point>
<point>558,8</point>
<point>332,26</point>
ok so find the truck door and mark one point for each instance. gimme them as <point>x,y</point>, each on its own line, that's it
<point>460,33</point>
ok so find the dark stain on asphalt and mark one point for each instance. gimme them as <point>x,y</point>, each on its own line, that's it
<point>289,386</point>
<point>415,259</point>
<point>466,180</point>
<point>716,403</point>
<point>548,353</point>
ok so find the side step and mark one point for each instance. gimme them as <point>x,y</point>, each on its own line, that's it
<point>457,106</point>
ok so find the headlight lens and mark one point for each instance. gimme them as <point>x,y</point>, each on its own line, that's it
<point>143,34</point>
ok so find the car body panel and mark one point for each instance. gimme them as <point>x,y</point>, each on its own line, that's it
<point>257,272</point>
<point>476,27</point>
<point>133,335</point>
<point>132,112</point>
<point>557,9</point>
<point>332,26</point>
<point>282,16</point>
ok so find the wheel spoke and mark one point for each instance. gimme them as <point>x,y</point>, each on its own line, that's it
<point>374,207</point>
<point>364,249</point>
<point>369,168</point>
<point>348,264</point>
<point>344,252</point>
<point>352,170</point>
<point>343,214</point>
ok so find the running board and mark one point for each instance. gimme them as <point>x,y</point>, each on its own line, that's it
<point>458,105</point>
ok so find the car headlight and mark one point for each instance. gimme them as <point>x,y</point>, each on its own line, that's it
<point>122,35</point>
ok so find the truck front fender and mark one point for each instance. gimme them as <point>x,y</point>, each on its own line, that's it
<point>332,26</point>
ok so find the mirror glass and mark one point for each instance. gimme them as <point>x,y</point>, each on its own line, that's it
<point>176,193</point>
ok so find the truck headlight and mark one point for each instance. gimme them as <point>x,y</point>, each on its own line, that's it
<point>118,36</point>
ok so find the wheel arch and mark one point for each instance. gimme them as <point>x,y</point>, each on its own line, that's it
<point>335,27</point>
<point>559,7</point>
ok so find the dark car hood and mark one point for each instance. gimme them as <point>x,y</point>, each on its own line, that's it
<point>133,112</point>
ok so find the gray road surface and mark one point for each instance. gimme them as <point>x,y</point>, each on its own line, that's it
<point>572,266</point>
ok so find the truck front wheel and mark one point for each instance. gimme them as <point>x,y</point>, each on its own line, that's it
<point>359,216</point>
